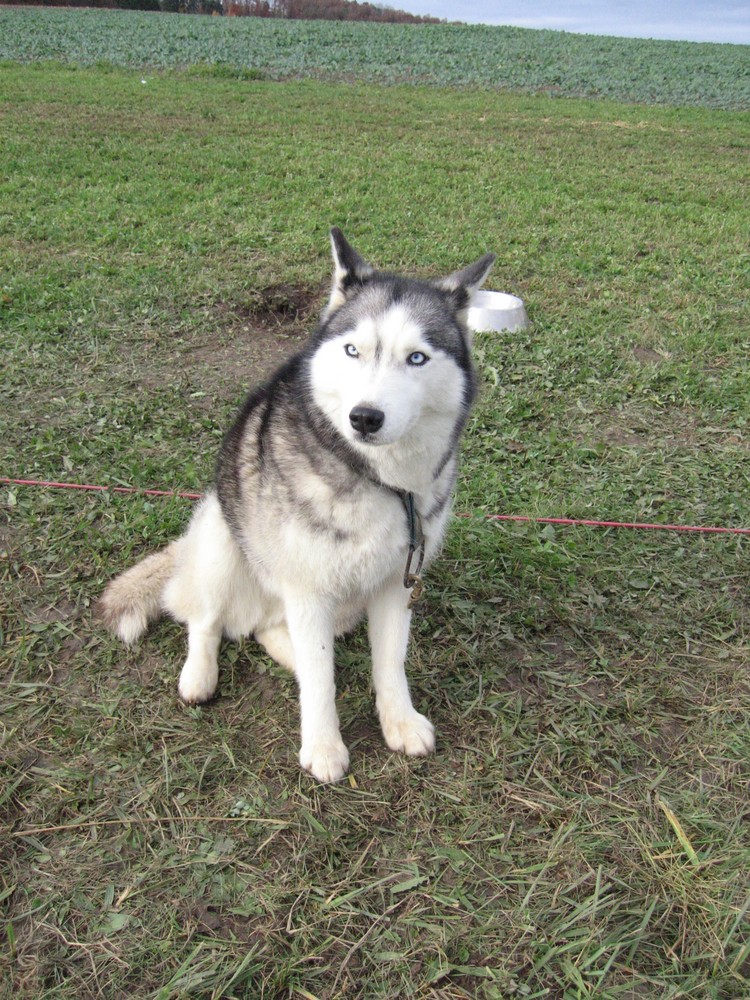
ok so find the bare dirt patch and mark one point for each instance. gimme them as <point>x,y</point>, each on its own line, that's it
<point>238,346</point>
<point>647,355</point>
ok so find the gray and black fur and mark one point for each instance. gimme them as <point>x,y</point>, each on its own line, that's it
<point>333,474</point>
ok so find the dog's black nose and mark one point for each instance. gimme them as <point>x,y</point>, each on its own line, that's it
<point>366,419</point>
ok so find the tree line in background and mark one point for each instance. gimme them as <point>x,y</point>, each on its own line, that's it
<point>326,10</point>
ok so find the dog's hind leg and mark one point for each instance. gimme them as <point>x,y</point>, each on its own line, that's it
<point>389,619</point>
<point>278,644</point>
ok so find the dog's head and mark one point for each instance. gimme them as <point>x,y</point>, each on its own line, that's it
<point>391,358</point>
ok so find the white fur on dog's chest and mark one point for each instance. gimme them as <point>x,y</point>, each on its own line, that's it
<point>345,547</point>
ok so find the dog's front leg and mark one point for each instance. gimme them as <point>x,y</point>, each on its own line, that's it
<point>200,673</point>
<point>310,624</point>
<point>389,620</point>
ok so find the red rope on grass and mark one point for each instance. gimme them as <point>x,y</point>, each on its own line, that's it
<point>639,525</point>
<point>571,521</point>
<point>99,489</point>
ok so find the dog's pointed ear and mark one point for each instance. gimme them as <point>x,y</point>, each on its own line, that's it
<point>349,270</point>
<point>462,284</point>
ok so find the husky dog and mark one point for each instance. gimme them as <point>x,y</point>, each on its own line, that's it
<point>332,487</point>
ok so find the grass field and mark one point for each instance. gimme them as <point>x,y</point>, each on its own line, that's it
<point>582,831</point>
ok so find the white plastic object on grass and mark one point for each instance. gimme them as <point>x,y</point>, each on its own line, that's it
<point>496,311</point>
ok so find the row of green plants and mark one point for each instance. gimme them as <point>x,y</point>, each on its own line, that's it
<point>489,57</point>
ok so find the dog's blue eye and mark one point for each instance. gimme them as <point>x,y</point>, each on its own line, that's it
<point>417,358</point>
<point>351,350</point>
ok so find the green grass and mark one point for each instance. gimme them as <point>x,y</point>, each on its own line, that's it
<point>582,830</point>
<point>545,62</point>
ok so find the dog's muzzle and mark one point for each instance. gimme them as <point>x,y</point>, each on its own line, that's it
<point>366,420</point>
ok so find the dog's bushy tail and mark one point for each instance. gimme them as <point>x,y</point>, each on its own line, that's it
<point>134,598</point>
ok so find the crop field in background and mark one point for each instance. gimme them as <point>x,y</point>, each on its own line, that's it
<point>545,62</point>
<point>582,831</point>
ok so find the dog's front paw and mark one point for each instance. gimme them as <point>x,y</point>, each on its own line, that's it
<point>325,760</point>
<point>197,682</point>
<point>412,734</point>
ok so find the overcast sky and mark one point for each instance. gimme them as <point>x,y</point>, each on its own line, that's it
<point>690,20</point>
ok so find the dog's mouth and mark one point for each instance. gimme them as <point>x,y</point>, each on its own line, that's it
<point>369,439</point>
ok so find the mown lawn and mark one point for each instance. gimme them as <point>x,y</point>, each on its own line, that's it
<point>582,830</point>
